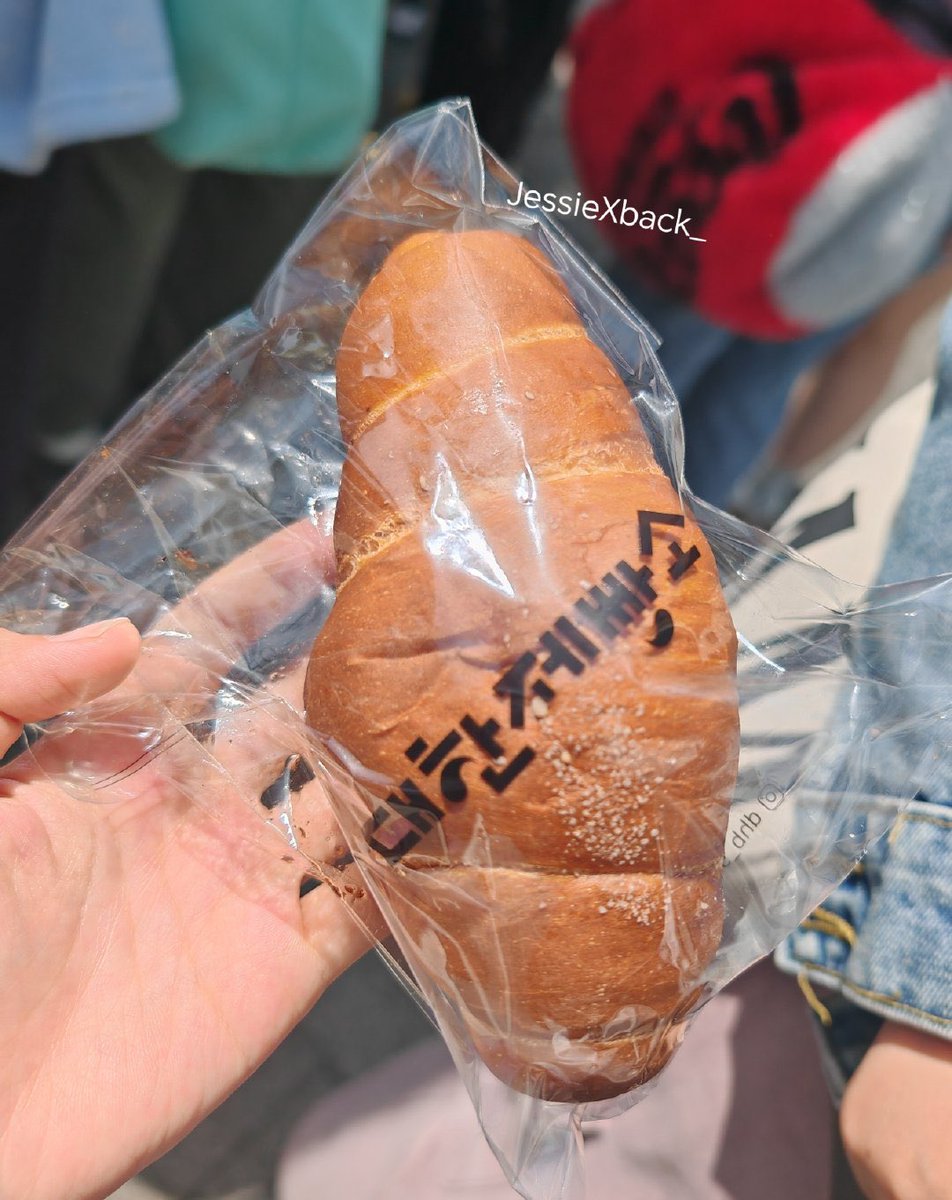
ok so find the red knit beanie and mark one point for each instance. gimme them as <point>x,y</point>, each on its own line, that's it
<point>807,148</point>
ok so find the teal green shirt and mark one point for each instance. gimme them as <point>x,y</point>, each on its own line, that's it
<point>280,86</point>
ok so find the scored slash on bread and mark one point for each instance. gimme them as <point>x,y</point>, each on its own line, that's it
<point>495,493</point>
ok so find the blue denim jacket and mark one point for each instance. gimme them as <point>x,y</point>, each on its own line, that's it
<point>883,939</point>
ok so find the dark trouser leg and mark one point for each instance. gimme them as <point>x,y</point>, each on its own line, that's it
<point>232,231</point>
<point>115,207</point>
<point>24,220</point>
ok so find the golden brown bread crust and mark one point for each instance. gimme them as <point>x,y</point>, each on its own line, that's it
<point>495,475</point>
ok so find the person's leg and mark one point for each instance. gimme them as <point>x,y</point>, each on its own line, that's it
<point>497,54</point>
<point>942,404</point>
<point>115,206</point>
<point>229,236</point>
<point>690,344</point>
<point>732,390</point>
<point>24,221</point>
<point>736,407</point>
<point>852,381</point>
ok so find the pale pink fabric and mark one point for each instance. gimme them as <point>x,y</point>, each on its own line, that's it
<point>741,1114</point>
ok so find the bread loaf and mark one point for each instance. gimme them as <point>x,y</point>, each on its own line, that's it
<point>531,666</point>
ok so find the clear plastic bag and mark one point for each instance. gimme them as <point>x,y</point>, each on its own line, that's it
<point>227,476</point>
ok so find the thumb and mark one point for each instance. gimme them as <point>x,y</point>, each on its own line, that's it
<point>43,676</point>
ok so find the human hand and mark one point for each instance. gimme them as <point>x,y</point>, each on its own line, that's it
<point>154,948</point>
<point>896,1115</point>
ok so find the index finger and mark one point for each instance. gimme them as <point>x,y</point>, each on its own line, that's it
<point>192,648</point>
<point>191,651</point>
<point>259,588</point>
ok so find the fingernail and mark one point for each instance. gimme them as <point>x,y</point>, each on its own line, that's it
<point>92,633</point>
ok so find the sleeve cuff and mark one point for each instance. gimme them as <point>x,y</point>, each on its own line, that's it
<point>885,941</point>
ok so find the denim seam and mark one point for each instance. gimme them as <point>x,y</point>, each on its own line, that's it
<point>830,924</point>
<point>906,818</point>
<point>825,974</point>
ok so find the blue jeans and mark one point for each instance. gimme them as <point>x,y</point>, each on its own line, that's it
<point>732,389</point>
